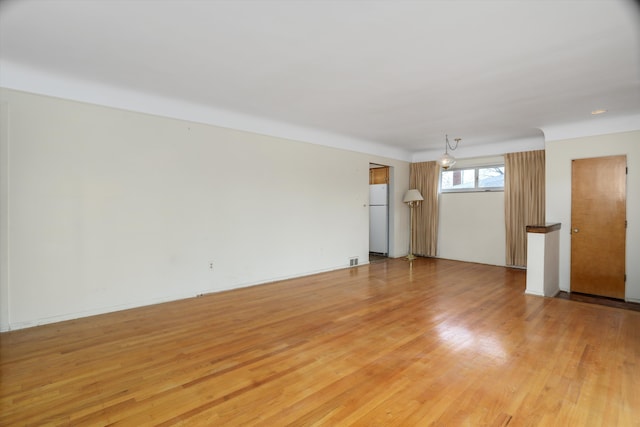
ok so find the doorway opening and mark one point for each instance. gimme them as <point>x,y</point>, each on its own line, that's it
<point>379,191</point>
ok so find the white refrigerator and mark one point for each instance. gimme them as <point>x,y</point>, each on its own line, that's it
<point>378,219</point>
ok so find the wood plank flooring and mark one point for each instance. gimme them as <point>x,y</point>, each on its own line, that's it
<point>439,343</point>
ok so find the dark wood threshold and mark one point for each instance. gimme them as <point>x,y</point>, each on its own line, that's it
<point>594,299</point>
<point>376,257</point>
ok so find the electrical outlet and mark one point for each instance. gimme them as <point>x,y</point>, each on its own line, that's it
<point>210,266</point>
<point>353,261</point>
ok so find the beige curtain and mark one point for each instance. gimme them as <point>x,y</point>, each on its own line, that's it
<point>523,201</point>
<point>424,177</point>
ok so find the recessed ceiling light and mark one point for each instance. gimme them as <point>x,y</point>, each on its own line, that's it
<point>596,112</point>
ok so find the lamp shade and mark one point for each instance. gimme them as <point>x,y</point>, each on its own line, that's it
<point>412,195</point>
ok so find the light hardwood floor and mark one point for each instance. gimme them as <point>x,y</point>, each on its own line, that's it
<point>441,343</point>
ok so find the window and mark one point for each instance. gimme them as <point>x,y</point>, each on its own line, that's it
<point>481,178</point>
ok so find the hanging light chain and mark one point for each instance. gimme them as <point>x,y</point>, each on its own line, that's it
<point>457,140</point>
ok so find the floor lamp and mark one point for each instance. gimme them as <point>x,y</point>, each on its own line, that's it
<point>413,199</point>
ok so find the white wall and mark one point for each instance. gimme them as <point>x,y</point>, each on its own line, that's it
<point>558,196</point>
<point>108,209</point>
<point>4,216</point>
<point>471,227</point>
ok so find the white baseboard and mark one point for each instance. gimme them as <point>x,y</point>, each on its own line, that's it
<point>12,326</point>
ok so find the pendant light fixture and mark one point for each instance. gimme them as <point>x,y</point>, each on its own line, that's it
<point>446,160</point>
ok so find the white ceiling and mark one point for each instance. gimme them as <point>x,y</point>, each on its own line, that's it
<point>386,76</point>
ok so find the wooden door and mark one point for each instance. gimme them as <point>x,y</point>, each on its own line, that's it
<point>598,225</point>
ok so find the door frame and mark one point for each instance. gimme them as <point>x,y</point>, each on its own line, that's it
<point>390,207</point>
